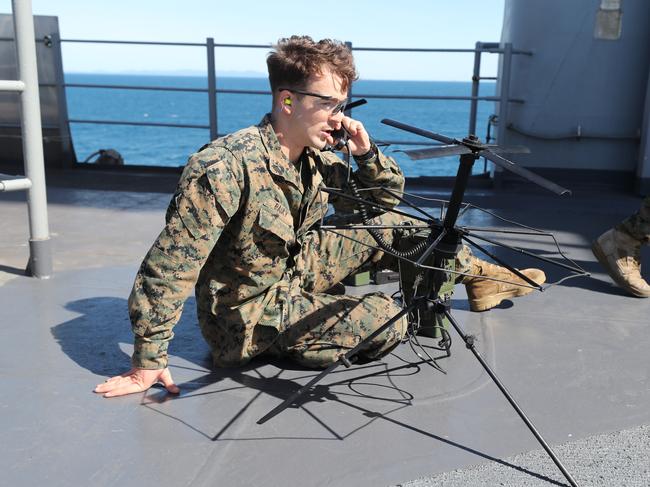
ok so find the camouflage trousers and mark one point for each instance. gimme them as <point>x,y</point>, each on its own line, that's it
<point>319,327</point>
<point>638,225</point>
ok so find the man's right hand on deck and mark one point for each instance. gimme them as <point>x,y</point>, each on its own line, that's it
<point>137,380</point>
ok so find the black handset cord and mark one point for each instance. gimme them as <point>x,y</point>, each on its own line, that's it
<point>379,238</point>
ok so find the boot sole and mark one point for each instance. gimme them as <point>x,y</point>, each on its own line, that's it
<point>602,259</point>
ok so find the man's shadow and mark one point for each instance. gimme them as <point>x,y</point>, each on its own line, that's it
<point>92,340</point>
<point>99,340</point>
<point>95,339</point>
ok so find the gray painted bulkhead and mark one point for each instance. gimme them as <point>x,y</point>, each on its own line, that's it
<point>57,143</point>
<point>643,168</point>
<point>584,86</point>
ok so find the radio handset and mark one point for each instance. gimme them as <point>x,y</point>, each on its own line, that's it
<point>340,137</point>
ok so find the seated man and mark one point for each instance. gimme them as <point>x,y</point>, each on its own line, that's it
<point>243,230</point>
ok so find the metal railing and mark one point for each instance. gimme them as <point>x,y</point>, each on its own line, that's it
<point>480,48</point>
<point>40,258</point>
<point>506,50</point>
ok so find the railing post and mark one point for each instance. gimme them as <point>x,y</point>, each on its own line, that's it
<point>69,157</point>
<point>505,92</point>
<point>503,106</point>
<point>40,258</point>
<point>212,89</point>
<point>349,111</point>
<point>476,77</point>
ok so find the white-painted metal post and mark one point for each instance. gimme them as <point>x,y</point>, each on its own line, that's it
<point>14,183</point>
<point>12,85</point>
<point>40,259</point>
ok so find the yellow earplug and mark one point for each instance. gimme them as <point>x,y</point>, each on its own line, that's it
<point>287,101</point>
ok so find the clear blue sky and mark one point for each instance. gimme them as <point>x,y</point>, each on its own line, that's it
<point>377,23</point>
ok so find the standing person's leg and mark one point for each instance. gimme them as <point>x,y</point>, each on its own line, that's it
<point>638,225</point>
<point>619,251</point>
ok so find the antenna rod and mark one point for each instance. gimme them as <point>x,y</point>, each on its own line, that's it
<point>456,200</point>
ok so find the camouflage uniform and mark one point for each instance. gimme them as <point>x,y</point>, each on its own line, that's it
<point>638,225</point>
<point>242,227</point>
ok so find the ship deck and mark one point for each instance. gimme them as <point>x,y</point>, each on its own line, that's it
<point>574,356</point>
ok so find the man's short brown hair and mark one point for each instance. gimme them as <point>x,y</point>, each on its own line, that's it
<point>295,59</point>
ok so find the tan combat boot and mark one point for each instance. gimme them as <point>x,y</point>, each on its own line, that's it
<point>484,294</point>
<point>620,255</point>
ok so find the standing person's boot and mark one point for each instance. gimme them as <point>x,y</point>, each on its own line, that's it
<point>484,294</point>
<point>620,255</point>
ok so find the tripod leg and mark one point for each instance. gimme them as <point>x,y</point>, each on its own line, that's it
<point>344,359</point>
<point>469,343</point>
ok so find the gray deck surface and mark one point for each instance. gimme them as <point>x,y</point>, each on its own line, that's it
<point>574,356</point>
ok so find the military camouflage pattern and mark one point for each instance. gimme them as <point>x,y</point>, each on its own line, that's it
<point>319,327</point>
<point>638,225</point>
<point>463,263</point>
<point>242,230</point>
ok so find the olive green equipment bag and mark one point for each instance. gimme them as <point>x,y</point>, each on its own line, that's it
<point>434,284</point>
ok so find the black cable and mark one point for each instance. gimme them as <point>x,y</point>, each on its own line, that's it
<point>92,155</point>
<point>379,238</point>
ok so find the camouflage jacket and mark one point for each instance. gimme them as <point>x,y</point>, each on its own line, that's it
<point>238,215</point>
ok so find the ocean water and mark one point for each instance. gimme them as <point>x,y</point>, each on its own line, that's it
<point>163,146</point>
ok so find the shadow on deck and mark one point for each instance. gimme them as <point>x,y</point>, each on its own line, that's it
<point>575,356</point>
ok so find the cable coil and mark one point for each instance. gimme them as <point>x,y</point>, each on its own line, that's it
<point>413,252</point>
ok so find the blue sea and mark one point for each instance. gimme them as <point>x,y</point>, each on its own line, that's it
<point>163,146</point>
